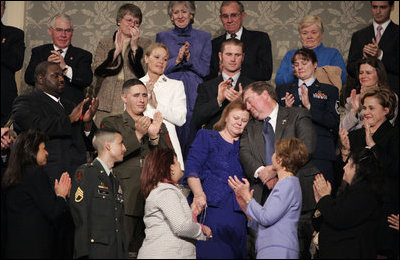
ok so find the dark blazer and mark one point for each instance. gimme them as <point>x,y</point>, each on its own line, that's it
<point>12,58</point>
<point>349,224</point>
<point>78,59</point>
<point>206,109</point>
<point>257,64</point>
<point>324,100</point>
<point>291,122</point>
<point>386,149</point>
<point>68,143</point>
<point>97,209</point>
<point>32,211</point>
<point>389,44</point>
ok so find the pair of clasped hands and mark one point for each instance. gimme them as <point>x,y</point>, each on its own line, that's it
<point>227,91</point>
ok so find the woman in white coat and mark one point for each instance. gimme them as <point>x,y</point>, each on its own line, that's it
<point>165,95</point>
<point>171,231</point>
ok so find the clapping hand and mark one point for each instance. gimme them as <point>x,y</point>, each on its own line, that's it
<point>151,95</point>
<point>57,58</point>
<point>268,176</point>
<point>368,134</point>
<point>242,191</point>
<point>62,188</point>
<point>154,128</point>
<point>289,99</point>
<point>141,126</point>
<point>321,187</point>
<point>119,42</point>
<point>371,49</point>
<point>231,94</point>
<point>394,221</point>
<point>355,102</point>
<point>135,33</point>
<point>304,97</point>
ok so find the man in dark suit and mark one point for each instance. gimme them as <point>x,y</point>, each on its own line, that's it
<point>381,40</point>
<point>74,62</point>
<point>214,95</point>
<point>96,191</point>
<point>140,135</point>
<point>260,99</point>
<point>69,130</point>
<point>12,58</point>
<point>257,64</point>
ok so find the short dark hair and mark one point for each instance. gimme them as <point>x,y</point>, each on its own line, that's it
<point>225,3</point>
<point>232,41</point>
<point>391,3</point>
<point>293,152</point>
<point>101,136</point>
<point>131,82</point>
<point>379,67</point>
<point>156,168</point>
<point>41,69</point>
<point>23,154</point>
<point>385,96</point>
<point>306,54</point>
<point>129,9</point>
<point>259,86</point>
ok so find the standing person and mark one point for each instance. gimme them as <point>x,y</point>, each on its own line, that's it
<point>140,135</point>
<point>380,40</point>
<point>311,31</point>
<point>348,222</point>
<point>371,73</point>
<point>189,61</point>
<point>214,95</point>
<point>70,131</point>
<point>257,64</point>
<point>322,100</point>
<point>171,231</point>
<point>118,59</point>
<point>382,138</point>
<point>97,207</point>
<point>213,157</point>
<point>32,204</point>
<point>12,58</point>
<point>270,123</point>
<point>165,95</point>
<point>73,61</point>
<point>276,220</point>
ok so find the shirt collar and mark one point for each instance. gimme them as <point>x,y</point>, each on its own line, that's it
<point>235,77</point>
<point>108,171</point>
<point>52,97</point>
<point>238,34</point>
<point>64,50</point>
<point>308,82</point>
<point>274,115</point>
<point>384,26</point>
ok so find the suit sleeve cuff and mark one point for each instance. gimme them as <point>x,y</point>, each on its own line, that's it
<point>257,171</point>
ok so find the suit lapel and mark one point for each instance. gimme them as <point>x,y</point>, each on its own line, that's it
<point>259,141</point>
<point>281,122</point>
<point>50,101</point>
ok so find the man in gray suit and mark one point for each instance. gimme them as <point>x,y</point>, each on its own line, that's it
<point>261,101</point>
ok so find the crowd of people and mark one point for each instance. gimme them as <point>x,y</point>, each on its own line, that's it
<point>185,150</point>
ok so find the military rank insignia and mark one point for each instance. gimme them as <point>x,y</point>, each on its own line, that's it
<point>320,95</point>
<point>78,195</point>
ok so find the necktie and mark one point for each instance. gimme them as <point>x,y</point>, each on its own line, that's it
<point>378,34</point>
<point>233,35</point>
<point>59,102</point>
<point>269,137</point>
<point>111,180</point>
<point>231,84</point>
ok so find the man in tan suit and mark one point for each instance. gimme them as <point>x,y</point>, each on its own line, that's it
<point>140,135</point>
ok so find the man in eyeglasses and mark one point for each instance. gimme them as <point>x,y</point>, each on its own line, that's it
<point>257,64</point>
<point>74,62</point>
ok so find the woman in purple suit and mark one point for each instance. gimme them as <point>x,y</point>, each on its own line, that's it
<point>276,220</point>
<point>190,54</point>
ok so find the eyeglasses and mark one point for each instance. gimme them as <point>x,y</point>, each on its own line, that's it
<point>233,16</point>
<point>61,30</point>
<point>131,21</point>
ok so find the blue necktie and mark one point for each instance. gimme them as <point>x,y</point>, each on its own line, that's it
<point>269,137</point>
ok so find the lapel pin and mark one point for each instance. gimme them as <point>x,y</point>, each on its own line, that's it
<point>283,121</point>
<point>3,40</point>
<point>71,58</point>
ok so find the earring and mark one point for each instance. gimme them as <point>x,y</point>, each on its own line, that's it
<point>172,172</point>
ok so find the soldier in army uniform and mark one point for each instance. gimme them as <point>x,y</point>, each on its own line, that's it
<point>97,204</point>
<point>140,134</point>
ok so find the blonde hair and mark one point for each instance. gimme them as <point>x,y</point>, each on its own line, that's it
<point>310,20</point>
<point>154,46</point>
